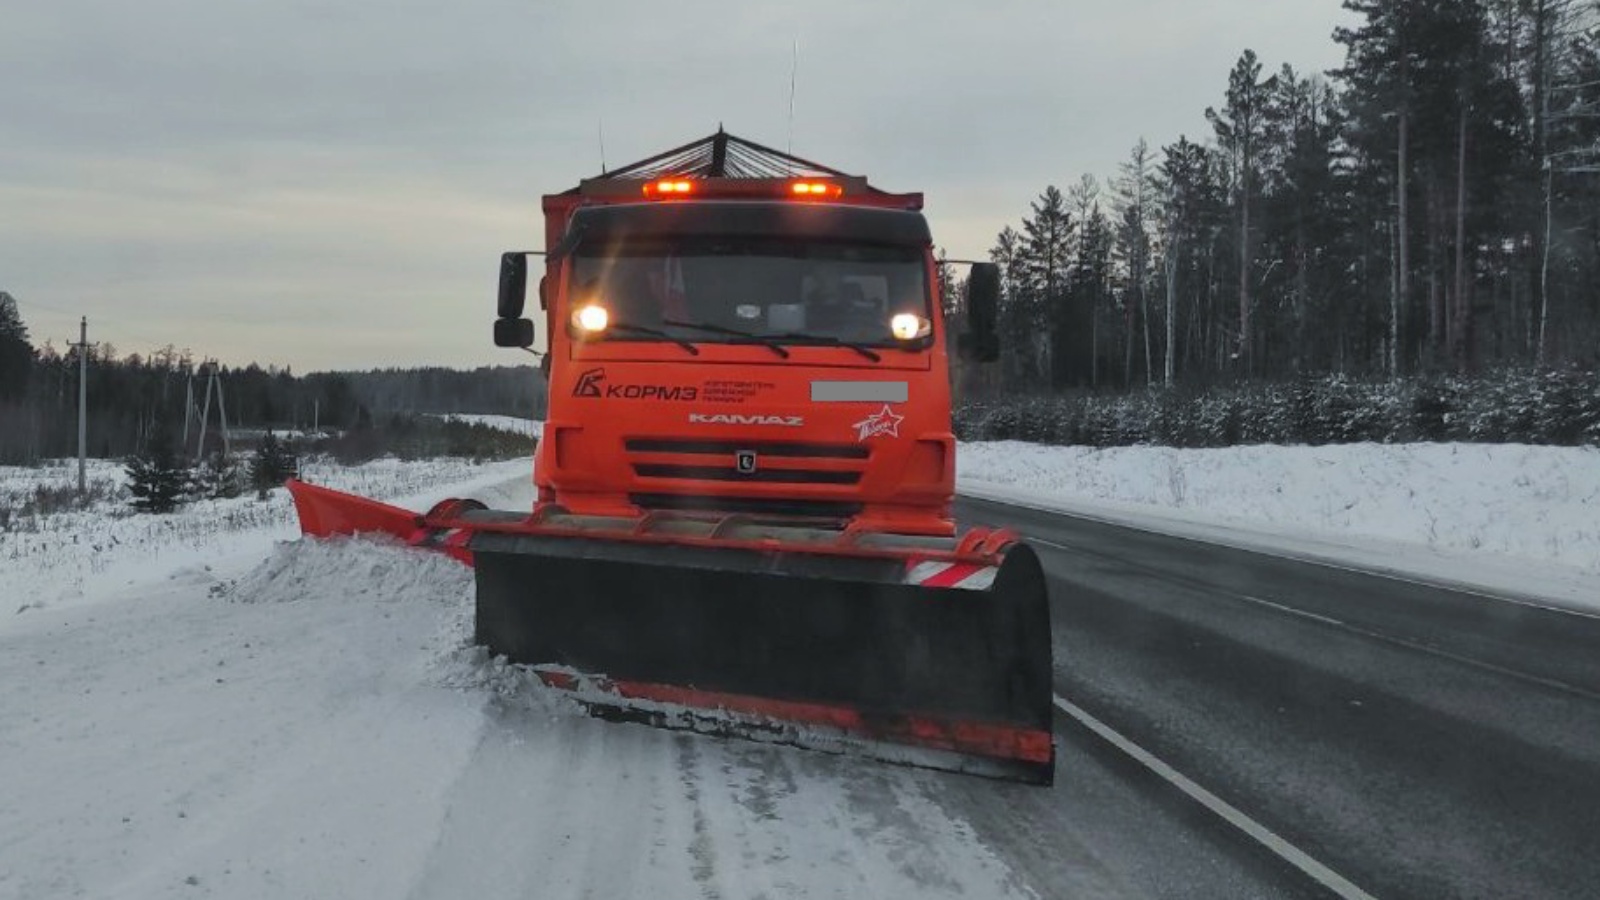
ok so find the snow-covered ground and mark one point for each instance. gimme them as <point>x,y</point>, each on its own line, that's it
<point>74,556</point>
<point>1516,520</point>
<point>237,715</point>
<point>198,705</point>
<point>530,427</point>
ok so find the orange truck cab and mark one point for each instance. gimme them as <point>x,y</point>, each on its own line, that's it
<point>769,345</point>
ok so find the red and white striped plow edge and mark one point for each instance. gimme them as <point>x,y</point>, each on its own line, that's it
<point>959,575</point>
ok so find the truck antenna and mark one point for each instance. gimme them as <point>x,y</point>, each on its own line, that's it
<point>794,68</point>
<point>600,125</point>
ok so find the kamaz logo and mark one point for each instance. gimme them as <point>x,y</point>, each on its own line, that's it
<point>738,419</point>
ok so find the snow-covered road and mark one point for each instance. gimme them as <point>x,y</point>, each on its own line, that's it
<point>317,725</point>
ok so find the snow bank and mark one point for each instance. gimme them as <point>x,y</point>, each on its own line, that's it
<point>1457,510</point>
<point>74,556</point>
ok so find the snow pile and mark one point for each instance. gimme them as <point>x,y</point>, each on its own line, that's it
<point>368,570</point>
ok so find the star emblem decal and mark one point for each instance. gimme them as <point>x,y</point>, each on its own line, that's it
<point>884,422</point>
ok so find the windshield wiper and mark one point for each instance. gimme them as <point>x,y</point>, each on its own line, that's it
<point>655,332</point>
<point>795,337</point>
<point>763,340</point>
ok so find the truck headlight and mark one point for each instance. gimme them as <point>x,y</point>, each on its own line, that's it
<point>590,319</point>
<point>909,327</point>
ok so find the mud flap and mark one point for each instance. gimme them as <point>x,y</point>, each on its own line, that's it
<point>842,642</point>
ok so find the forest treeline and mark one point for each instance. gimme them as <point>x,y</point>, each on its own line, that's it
<point>1431,206</point>
<point>131,396</point>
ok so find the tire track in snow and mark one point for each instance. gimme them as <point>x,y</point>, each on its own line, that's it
<point>556,805</point>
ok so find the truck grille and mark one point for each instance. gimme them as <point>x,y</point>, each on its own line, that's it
<point>729,473</point>
<point>771,506</point>
<point>777,462</point>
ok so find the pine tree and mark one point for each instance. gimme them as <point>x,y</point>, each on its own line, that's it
<point>1013,325</point>
<point>157,478</point>
<point>1045,265</point>
<point>1134,204</point>
<point>16,354</point>
<point>1305,226</point>
<point>1239,132</point>
<point>1191,217</point>
<point>272,465</point>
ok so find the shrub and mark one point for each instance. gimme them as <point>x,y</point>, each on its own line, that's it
<point>1552,407</point>
<point>218,477</point>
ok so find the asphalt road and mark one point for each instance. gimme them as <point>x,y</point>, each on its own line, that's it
<point>1417,740</point>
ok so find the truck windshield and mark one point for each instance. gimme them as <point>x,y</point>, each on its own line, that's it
<point>715,290</point>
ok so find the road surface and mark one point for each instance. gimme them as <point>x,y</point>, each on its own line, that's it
<point>1415,740</point>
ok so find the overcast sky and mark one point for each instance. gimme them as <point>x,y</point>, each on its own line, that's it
<point>329,185</point>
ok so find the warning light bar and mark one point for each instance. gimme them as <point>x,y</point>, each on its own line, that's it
<point>816,189</point>
<point>732,188</point>
<point>668,188</point>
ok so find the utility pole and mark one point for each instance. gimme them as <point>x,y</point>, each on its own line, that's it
<point>205,417</point>
<point>188,409</point>
<point>222,414</point>
<point>213,383</point>
<point>82,347</point>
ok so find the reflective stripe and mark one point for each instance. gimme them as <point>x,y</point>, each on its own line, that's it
<point>962,576</point>
<point>980,580</point>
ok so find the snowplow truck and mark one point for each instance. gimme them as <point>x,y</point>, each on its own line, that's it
<point>743,519</point>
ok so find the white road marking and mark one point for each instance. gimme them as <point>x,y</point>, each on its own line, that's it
<point>1376,635</point>
<point>1326,620</point>
<point>1229,813</point>
<point>1431,651</point>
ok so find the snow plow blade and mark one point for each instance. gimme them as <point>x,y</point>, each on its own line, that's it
<point>930,652</point>
<point>875,650</point>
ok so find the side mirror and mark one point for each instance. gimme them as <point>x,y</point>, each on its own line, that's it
<point>513,333</point>
<point>981,343</point>
<point>513,286</point>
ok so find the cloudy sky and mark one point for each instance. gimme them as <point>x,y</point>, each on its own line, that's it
<point>328,185</point>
